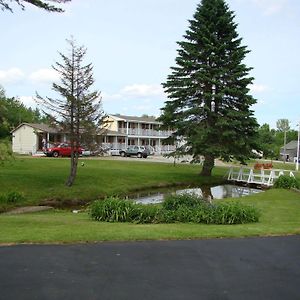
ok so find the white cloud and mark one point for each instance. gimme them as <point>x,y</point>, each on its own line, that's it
<point>109,97</point>
<point>11,75</point>
<point>44,76</point>
<point>270,7</point>
<point>134,91</point>
<point>28,101</point>
<point>143,90</point>
<point>258,88</point>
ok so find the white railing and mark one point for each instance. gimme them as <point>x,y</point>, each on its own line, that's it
<point>263,176</point>
<point>145,132</point>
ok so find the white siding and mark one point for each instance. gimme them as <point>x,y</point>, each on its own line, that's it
<point>112,124</point>
<point>24,140</point>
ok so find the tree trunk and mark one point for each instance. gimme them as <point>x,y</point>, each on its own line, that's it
<point>73,170</point>
<point>209,162</point>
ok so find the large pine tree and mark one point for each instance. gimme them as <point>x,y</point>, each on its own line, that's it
<point>208,89</point>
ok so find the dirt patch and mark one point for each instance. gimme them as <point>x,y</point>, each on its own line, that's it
<point>65,203</point>
<point>27,209</point>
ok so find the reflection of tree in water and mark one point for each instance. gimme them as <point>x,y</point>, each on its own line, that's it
<point>207,194</point>
<point>227,191</point>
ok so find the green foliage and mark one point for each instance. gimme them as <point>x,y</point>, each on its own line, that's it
<point>6,153</point>
<point>12,197</point>
<point>234,213</point>
<point>286,182</point>
<point>112,210</point>
<point>270,140</point>
<point>173,201</point>
<point>178,208</point>
<point>13,112</point>
<point>209,104</point>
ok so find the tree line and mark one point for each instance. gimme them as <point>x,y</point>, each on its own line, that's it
<point>271,140</point>
<point>13,112</point>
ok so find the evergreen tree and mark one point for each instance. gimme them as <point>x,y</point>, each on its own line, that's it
<point>209,104</point>
<point>4,5</point>
<point>78,111</point>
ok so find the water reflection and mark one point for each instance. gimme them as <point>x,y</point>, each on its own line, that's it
<point>208,193</point>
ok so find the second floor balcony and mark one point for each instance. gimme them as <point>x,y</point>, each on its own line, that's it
<point>139,132</point>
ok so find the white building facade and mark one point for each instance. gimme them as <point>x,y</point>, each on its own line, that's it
<point>119,133</point>
<point>123,131</point>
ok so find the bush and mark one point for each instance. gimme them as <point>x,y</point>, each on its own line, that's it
<point>145,213</point>
<point>6,153</point>
<point>286,182</point>
<point>174,202</point>
<point>112,210</point>
<point>234,213</point>
<point>178,208</point>
<point>12,198</point>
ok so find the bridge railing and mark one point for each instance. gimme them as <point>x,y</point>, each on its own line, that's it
<point>250,175</point>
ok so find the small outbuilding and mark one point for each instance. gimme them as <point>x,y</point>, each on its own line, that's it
<point>290,152</point>
<point>29,138</point>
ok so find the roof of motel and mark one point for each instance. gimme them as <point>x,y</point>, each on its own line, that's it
<point>144,119</point>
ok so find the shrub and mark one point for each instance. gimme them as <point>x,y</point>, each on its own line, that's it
<point>179,208</point>
<point>234,213</point>
<point>12,198</point>
<point>173,201</point>
<point>145,213</point>
<point>286,182</point>
<point>112,210</point>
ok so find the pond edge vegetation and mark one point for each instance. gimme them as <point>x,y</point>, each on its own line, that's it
<point>185,208</point>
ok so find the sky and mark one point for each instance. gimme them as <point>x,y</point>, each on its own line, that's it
<point>132,45</point>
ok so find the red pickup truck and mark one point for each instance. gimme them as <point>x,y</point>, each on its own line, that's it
<point>62,149</point>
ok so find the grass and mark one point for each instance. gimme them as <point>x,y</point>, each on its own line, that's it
<point>41,179</point>
<point>280,216</point>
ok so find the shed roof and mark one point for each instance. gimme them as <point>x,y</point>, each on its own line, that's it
<point>41,127</point>
<point>291,145</point>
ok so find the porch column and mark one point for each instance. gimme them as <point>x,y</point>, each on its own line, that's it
<point>116,142</point>
<point>47,140</point>
<point>159,147</point>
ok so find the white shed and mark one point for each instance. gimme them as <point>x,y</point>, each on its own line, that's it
<point>27,137</point>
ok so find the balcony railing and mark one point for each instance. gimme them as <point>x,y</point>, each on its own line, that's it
<point>145,132</point>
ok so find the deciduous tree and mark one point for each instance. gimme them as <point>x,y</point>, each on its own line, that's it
<point>283,125</point>
<point>208,89</point>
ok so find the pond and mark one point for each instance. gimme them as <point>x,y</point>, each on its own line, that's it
<point>208,193</point>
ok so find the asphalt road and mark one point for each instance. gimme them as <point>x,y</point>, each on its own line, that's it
<point>255,268</point>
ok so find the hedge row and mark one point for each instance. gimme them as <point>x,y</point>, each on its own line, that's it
<point>176,208</point>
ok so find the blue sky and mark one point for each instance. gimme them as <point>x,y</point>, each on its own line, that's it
<point>132,45</point>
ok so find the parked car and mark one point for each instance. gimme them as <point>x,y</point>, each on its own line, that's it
<point>62,149</point>
<point>139,151</point>
<point>114,152</point>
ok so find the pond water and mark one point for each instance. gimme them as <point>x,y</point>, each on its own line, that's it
<point>208,193</point>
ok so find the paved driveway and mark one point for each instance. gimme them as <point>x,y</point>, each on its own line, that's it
<point>255,268</point>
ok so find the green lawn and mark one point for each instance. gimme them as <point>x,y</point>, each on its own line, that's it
<point>42,178</point>
<point>280,216</point>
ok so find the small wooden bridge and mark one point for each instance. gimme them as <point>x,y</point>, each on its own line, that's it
<point>262,177</point>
